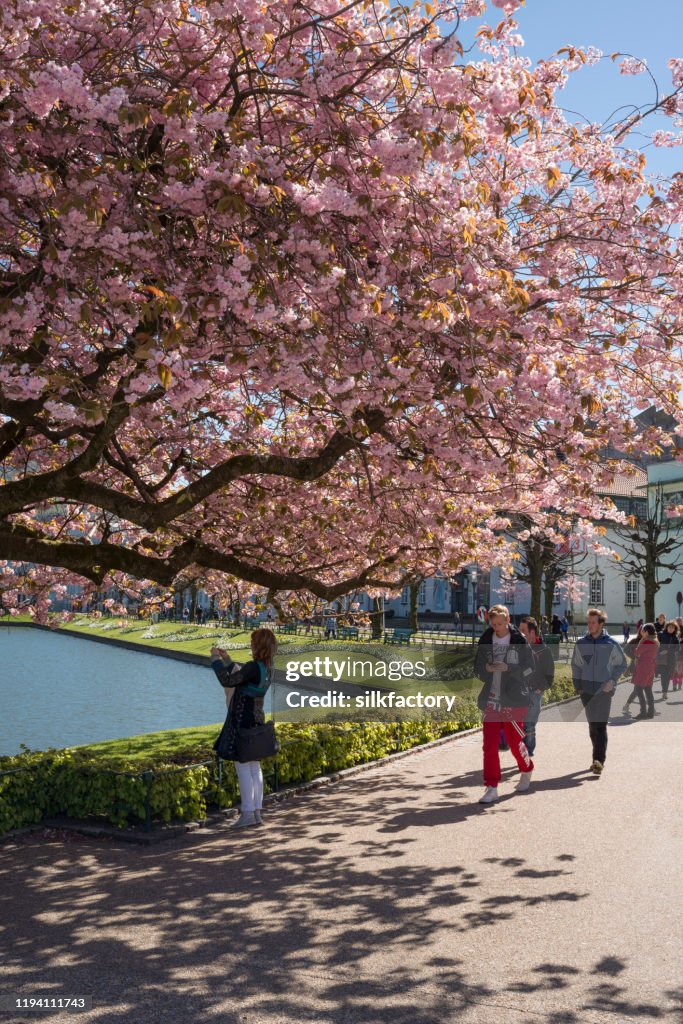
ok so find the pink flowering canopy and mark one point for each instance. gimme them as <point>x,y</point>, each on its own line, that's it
<point>311,295</point>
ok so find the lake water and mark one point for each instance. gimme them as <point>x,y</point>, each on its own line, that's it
<point>59,691</point>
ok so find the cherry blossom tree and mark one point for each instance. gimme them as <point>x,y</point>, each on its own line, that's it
<point>312,294</point>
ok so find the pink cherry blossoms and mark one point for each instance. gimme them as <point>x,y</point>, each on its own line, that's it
<point>300,295</point>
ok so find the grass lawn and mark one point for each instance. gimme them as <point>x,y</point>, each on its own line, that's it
<point>155,747</point>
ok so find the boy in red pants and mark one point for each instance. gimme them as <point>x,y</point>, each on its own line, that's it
<point>505,664</point>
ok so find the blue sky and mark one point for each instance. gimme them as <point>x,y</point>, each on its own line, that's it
<point>651,30</point>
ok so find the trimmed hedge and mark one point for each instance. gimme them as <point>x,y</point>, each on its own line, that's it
<point>560,690</point>
<point>80,785</point>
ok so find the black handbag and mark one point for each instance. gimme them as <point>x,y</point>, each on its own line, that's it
<point>256,743</point>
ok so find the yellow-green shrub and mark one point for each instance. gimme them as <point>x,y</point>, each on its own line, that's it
<point>81,785</point>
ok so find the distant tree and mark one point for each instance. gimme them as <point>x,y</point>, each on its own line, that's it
<point>649,547</point>
<point>543,562</point>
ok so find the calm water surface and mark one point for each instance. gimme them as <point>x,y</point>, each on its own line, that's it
<point>58,691</point>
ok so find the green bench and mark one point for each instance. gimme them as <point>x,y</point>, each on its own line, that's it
<point>397,636</point>
<point>348,633</point>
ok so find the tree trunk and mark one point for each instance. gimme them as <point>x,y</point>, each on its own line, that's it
<point>651,588</point>
<point>413,614</point>
<point>271,598</point>
<point>535,580</point>
<point>377,618</point>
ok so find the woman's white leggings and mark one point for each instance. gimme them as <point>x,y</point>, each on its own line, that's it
<point>250,778</point>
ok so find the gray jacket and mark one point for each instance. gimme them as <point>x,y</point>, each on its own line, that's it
<point>596,662</point>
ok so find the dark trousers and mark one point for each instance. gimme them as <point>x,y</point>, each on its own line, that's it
<point>665,674</point>
<point>597,707</point>
<point>647,700</point>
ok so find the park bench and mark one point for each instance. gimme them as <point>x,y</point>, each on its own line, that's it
<point>397,636</point>
<point>289,627</point>
<point>348,633</point>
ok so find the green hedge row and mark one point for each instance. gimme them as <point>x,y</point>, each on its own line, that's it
<point>80,785</point>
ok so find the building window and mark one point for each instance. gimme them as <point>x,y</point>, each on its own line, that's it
<point>405,594</point>
<point>632,592</point>
<point>597,590</point>
<point>422,593</point>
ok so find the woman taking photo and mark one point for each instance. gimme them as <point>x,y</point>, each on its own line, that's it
<point>645,666</point>
<point>245,688</point>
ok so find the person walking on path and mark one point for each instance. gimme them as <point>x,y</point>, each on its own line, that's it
<point>245,688</point>
<point>627,631</point>
<point>630,652</point>
<point>544,674</point>
<point>645,668</point>
<point>669,640</point>
<point>556,626</point>
<point>677,677</point>
<point>505,665</point>
<point>597,663</point>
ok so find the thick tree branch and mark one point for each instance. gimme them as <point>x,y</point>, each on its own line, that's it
<point>95,561</point>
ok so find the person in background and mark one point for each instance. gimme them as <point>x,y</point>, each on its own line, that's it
<point>630,652</point>
<point>544,674</point>
<point>645,668</point>
<point>627,631</point>
<point>245,688</point>
<point>505,665</point>
<point>564,623</point>
<point>597,664</point>
<point>660,624</point>
<point>677,677</point>
<point>556,626</point>
<point>669,640</point>
<point>331,627</point>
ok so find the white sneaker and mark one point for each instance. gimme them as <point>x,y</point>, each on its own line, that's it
<point>490,795</point>
<point>524,782</point>
<point>245,820</point>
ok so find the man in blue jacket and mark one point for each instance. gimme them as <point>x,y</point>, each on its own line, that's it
<point>597,664</point>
